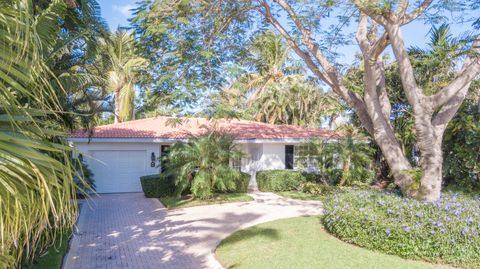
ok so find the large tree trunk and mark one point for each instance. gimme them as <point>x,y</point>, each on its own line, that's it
<point>116,109</point>
<point>378,109</point>
<point>431,180</point>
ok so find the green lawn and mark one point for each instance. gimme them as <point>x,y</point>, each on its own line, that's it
<point>173,202</point>
<point>300,195</point>
<point>53,258</point>
<point>301,243</point>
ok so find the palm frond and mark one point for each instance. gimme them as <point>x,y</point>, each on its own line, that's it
<point>36,175</point>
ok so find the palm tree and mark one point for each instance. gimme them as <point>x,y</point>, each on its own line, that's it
<point>352,153</point>
<point>122,67</point>
<point>437,65</point>
<point>274,92</point>
<point>295,100</point>
<point>202,164</point>
<point>71,58</point>
<point>36,186</point>
<point>268,54</point>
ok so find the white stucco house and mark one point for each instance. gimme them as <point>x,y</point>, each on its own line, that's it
<point>118,154</point>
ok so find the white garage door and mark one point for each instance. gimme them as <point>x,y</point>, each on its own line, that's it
<point>118,170</point>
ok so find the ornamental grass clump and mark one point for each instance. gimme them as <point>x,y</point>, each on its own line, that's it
<point>445,231</point>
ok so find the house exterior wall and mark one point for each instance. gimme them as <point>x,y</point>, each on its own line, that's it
<point>258,156</point>
<point>273,157</point>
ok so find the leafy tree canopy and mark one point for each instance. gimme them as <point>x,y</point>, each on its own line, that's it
<point>191,43</point>
<point>195,45</point>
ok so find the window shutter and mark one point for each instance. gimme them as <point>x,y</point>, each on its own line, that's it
<point>288,156</point>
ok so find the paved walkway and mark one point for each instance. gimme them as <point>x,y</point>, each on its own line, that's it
<point>131,231</point>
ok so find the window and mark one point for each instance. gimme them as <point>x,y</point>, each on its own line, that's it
<point>289,159</point>
<point>305,157</point>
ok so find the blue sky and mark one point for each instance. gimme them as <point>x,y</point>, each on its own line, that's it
<point>116,13</point>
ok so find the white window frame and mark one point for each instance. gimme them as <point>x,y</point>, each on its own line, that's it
<point>310,160</point>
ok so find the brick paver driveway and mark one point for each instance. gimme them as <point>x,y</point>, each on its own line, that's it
<point>131,231</point>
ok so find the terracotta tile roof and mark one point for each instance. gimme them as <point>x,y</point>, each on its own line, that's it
<point>181,128</point>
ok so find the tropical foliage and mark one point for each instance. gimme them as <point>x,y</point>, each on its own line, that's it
<point>344,162</point>
<point>276,92</point>
<point>181,64</point>
<point>83,178</point>
<point>296,101</point>
<point>354,156</point>
<point>121,66</point>
<point>462,145</point>
<point>203,164</point>
<point>267,56</point>
<point>37,186</point>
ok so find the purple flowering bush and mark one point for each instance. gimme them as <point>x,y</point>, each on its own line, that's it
<point>446,231</point>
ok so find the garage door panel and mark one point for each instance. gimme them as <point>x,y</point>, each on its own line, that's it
<point>118,170</point>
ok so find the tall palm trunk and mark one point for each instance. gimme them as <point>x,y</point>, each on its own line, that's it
<point>346,171</point>
<point>333,121</point>
<point>116,108</point>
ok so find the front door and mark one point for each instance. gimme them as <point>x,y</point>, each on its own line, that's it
<point>254,165</point>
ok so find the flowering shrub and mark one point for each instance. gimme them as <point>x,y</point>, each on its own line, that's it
<point>446,231</point>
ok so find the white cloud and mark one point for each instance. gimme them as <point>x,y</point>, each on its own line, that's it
<point>125,10</point>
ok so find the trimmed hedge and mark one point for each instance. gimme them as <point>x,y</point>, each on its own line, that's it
<point>280,180</point>
<point>157,185</point>
<point>242,183</point>
<point>446,231</point>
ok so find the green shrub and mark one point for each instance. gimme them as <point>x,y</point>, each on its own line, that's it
<point>279,180</point>
<point>326,176</point>
<point>241,183</point>
<point>311,188</point>
<point>157,185</point>
<point>445,231</point>
<point>83,178</point>
<point>318,188</point>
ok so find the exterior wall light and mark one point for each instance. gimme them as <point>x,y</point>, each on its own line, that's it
<point>152,159</point>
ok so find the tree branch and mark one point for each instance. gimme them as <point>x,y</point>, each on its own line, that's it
<point>310,43</point>
<point>412,91</point>
<point>373,50</point>
<point>331,79</point>
<point>403,5</point>
<point>304,55</point>
<point>470,69</point>
<point>380,45</point>
<point>379,18</point>
<point>448,111</point>
<point>361,35</point>
<point>414,14</point>
<point>382,92</point>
